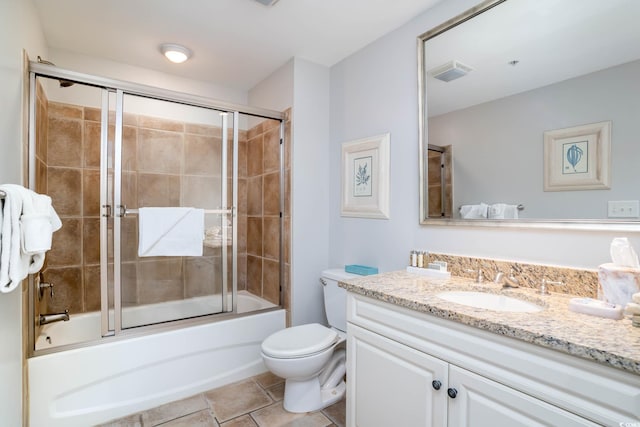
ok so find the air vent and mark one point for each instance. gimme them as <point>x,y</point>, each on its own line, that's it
<point>450,71</point>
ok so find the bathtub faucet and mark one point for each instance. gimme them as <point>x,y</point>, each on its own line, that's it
<point>54,317</point>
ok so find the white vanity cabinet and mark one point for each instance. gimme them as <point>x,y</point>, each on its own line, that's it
<point>404,367</point>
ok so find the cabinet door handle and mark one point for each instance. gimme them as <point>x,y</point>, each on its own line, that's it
<point>436,384</point>
<point>452,392</point>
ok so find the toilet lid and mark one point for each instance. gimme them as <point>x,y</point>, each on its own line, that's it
<point>299,341</point>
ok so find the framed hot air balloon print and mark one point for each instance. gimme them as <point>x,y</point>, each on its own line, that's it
<point>578,158</point>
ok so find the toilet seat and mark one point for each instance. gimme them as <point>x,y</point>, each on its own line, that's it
<point>299,341</point>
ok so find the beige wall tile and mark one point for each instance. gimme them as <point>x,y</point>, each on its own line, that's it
<point>242,196</point>
<point>129,238</point>
<point>287,192</point>
<point>66,246</point>
<point>91,241</point>
<point>42,121</point>
<point>203,276</point>
<point>41,177</point>
<point>242,158</point>
<point>91,192</point>
<point>129,148</point>
<point>255,130</point>
<point>242,233</point>
<point>91,285</point>
<point>271,194</point>
<point>68,293</point>
<point>254,156</point>
<point>200,129</point>
<point>158,190</point>
<point>64,187</point>
<point>254,275</point>
<point>287,239</point>
<point>159,151</point>
<point>91,145</point>
<point>271,238</point>
<point>242,272</point>
<point>254,236</point>
<point>93,114</point>
<point>129,283</point>
<point>201,192</point>
<point>160,124</point>
<point>64,142</point>
<point>254,196</point>
<point>271,280</point>
<point>130,189</point>
<point>202,155</point>
<point>57,109</point>
<point>160,281</point>
<point>271,150</point>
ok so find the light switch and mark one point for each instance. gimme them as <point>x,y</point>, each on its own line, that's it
<point>624,209</point>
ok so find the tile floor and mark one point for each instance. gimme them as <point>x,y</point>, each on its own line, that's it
<point>254,402</point>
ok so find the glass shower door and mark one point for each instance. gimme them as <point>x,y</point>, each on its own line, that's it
<point>173,219</point>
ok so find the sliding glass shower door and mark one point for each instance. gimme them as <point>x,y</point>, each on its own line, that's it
<point>173,192</point>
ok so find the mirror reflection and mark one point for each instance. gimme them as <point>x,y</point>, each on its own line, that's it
<point>523,72</point>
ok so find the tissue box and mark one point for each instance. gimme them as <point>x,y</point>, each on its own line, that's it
<point>362,270</point>
<point>618,283</point>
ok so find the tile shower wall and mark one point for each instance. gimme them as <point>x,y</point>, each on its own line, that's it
<point>165,163</point>
<point>261,211</point>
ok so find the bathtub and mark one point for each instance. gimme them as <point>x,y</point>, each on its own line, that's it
<point>93,384</point>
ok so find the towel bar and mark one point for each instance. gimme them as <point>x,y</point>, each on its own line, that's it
<point>124,211</point>
<point>520,207</point>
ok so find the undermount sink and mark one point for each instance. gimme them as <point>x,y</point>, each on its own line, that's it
<point>490,301</point>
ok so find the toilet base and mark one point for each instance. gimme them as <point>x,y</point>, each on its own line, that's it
<point>308,396</point>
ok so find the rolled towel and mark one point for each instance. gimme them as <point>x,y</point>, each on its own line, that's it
<point>474,211</point>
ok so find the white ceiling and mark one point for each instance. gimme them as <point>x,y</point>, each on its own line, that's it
<point>236,43</point>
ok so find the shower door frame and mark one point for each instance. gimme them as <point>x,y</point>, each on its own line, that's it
<point>123,87</point>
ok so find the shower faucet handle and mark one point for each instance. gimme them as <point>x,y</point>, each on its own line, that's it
<point>42,286</point>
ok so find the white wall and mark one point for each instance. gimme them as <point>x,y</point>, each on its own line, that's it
<point>304,86</point>
<point>498,150</point>
<point>375,91</point>
<point>20,29</point>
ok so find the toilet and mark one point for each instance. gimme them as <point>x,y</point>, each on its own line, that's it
<point>311,358</point>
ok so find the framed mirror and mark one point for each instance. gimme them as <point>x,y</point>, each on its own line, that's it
<point>529,115</point>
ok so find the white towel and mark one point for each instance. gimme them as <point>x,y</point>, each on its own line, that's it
<point>28,222</point>
<point>170,231</point>
<point>474,211</point>
<point>503,211</point>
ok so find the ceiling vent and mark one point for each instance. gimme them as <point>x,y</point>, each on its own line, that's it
<point>267,2</point>
<point>450,71</point>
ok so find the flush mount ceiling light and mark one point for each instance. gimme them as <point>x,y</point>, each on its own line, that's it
<point>175,52</point>
<point>267,2</point>
<point>450,71</point>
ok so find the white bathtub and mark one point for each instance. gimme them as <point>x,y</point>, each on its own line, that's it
<point>85,327</point>
<point>91,385</point>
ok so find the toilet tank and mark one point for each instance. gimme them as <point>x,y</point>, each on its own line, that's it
<point>335,297</point>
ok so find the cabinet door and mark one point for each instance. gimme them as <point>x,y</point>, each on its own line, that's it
<point>390,384</point>
<point>481,402</point>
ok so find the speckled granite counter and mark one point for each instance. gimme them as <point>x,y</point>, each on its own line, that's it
<point>615,343</point>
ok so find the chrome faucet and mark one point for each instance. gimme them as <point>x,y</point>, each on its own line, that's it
<point>54,317</point>
<point>479,274</point>
<point>510,281</point>
<point>543,285</point>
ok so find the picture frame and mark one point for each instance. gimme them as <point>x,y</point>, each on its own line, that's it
<point>578,158</point>
<point>365,177</point>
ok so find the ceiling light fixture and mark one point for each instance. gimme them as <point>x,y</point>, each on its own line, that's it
<point>175,52</point>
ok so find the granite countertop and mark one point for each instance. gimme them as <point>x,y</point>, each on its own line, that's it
<point>615,343</point>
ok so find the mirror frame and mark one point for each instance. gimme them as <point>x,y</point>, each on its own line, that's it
<point>573,224</point>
